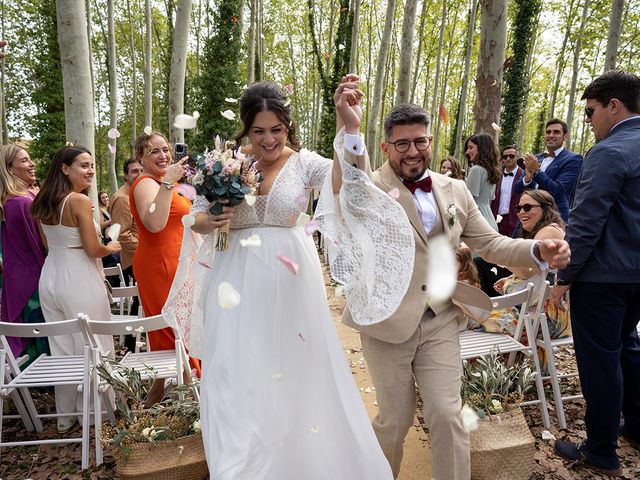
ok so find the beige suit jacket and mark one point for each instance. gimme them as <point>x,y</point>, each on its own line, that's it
<point>469,226</point>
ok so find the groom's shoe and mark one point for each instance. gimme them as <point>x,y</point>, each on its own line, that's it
<point>579,453</point>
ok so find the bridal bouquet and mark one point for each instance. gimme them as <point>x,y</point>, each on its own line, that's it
<point>224,173</point>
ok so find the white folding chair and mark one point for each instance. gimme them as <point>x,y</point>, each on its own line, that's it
<point>474,344</point>
<point>12,367</point>
<point>115,271</point>
<point>550,346</point>
<point>54,370</point>
<point>167,364</point>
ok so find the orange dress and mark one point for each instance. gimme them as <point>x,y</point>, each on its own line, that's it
<point>155,262</point>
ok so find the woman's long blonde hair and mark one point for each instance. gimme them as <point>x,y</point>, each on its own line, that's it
<point>10,185</point>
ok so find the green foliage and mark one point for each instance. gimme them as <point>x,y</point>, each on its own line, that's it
<point>516,86</point>
<point>47,126</point>
<point>341,57</point>
<point>538,144</point>
<point>489,386</point>
<point>220,74</point>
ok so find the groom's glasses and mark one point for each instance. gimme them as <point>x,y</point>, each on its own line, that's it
<point>402,145</point>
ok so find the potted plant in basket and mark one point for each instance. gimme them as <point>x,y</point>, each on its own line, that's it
<point>160,443</point>
<point>502,447</point>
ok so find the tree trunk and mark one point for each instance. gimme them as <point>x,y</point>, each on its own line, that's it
<point>251,47</point>
<point>148,78</point>
<point>406,49</point>
<point>613,37</point>
<point>113,95</point>
<point>76,75</point>
<point>353,56</point>
<point>414,82</point>
<point>493,33</point>
<point>462,108</point>
<point>436,81</point>
<point>574,76</point>
<point>178,68</point>
<point>375,100</point>
<point>134,77</point>
<point>561,60</point>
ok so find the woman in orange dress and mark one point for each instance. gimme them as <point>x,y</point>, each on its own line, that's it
<point>157,209</point>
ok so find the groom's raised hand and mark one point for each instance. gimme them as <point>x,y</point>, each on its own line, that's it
<point>348,102</point>
<point>555,252</point>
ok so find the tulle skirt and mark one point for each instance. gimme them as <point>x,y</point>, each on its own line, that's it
<point>278,400</point>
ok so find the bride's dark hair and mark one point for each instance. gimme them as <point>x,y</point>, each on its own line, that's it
<point>266,97</point>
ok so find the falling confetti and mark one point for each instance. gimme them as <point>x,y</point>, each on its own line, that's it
<point>442,272</point>
<point>250,199</point>
<point>112,149</point>
<point>496,127</point>
<point>498,218</point>
<point>547,435</point>
<point>301,337</point>
<point>252,241</point>
<point>113,133</point>
<point>147,130</point>
<point>287,103</point>
<point>228,297</point>
<point>231,100</point>
<point>469,419</point>
<point>186,122</point>
<point>311,227</point>
<point>204,264</point>
<point>228,114</point>
<point>152,208</point>
<point>277,376</point>
<point>288,89</point>
<point>291,265</point>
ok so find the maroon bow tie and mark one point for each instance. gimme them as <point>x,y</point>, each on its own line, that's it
<point>424,185</point>
<point>548,155</point>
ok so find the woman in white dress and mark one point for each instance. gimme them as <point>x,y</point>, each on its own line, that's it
<point>278,400</point>
<point>71,281</point>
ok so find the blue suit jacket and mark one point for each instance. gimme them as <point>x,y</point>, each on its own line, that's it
<point>604,223</point>
<point>559,179</point>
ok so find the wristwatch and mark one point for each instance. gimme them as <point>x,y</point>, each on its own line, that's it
<point>562,283</point>
<point>168,185</point>
<point>536,250</point>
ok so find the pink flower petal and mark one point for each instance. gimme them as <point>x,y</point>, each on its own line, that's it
<point>112,149</point>
<point>290,264</point>
<point>288,89</point>
<point>187,190</point>
<point>394,193</point>
<point>113,133</point>
<point>204,264</point>
<point>302,200</point>
<point>311,227</point>
<point>301,337</point>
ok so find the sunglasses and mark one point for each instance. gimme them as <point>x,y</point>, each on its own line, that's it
<point>526,207</point>
<point>509,155</point>
<point>588,112</point>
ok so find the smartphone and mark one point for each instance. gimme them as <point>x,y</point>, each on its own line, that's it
<point>180,150</point>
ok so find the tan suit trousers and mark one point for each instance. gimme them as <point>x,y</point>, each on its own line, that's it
<point>432,356</point>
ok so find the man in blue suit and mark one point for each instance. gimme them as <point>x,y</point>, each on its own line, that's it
<point>604,273</point>
<point>555,170</point>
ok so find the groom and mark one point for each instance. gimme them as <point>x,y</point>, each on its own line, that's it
<point>421,339</point>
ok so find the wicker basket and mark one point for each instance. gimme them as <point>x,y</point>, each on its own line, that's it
<point>502,448</point>
<point>165,461</point>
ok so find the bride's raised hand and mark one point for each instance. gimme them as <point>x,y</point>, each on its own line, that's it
<point>206,222</point>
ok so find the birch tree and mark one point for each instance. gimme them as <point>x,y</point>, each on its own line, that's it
<point>576,67</point>
<point>493,32</point>
<point>613,36</point>
<point>134,77</point>
<point>436,81</point>
<point>113,95</point>
<point>406,50</point>
<point>178,67</point>
<point>148,75</point>
<point>251,43</point>
<point>462,107</point>
<point>353,56</point>
<point>76,76</point>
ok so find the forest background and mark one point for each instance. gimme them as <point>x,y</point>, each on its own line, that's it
<point>77,69</point>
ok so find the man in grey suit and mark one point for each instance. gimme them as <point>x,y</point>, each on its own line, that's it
<point>420,339</point>
<point>554,170</point>
<point>604,273</point>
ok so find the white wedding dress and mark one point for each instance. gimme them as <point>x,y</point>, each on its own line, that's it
<point>278,400</point>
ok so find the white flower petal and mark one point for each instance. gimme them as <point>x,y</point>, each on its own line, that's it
<point>112,149</point>
<point>341,46</point>
<point>152,208</point>
<point>303,219</point>
<point>184,121</point>
<point>498,218</point>
<point>228,297</point>
<point>250,199</point>
<point>231,100</point>
<point>547,435</point>
<point>228,114</point>
<point>113,133</point>
<point>188,220</point>
<point>442,272</point>
<point>140,329</point>
<point>314,429</point>
<point>469,419</point>
<point>394,193</point>
<point>496,127</point>
<point>148,130</point>
<point>252,241</point>
<point>339,291</point>
<point>287,103</point>
<point>277,377</point>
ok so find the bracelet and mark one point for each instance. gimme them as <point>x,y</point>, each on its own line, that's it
<point>536,250</point>
<point>168,185</point>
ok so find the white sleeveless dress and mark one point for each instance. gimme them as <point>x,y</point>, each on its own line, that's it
<point>71,282</point>
<point>278,400</point>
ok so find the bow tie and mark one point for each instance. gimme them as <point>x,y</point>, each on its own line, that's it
<point>548,155</point>
<point>508,174</point>
<point>424,185</point>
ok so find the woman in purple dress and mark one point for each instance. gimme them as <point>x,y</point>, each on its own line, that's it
<point>22,247</point>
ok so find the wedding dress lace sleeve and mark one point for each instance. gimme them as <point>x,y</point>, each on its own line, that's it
<point>370,241</point>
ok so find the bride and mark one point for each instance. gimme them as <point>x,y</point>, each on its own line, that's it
<point>278,400</point>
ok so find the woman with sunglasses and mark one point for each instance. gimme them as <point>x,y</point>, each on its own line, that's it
<point>540,220</point>
<point>483,154</point>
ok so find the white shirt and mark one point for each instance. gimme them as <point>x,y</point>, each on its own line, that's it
<point>505,192</point>
<point>546,161</point>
